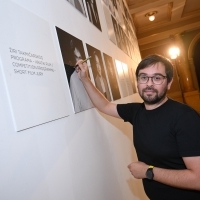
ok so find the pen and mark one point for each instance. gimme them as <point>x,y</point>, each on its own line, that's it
<point>84,61</point>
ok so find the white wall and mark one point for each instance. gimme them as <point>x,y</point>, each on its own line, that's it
<point>80,157</point>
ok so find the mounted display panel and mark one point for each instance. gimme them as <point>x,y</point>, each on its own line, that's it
<point>72,50</point>
<point>110,68</point>
<point>35,91</point>
<point>120,27</point>
<point>98,71</point>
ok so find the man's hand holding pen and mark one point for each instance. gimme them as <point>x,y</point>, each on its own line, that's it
<point>82,61</point>
<point>82,68</point>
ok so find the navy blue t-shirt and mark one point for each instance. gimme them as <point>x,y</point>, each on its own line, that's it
<point>163,136</point>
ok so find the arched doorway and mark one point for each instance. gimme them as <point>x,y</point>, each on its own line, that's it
<point>196,60</point>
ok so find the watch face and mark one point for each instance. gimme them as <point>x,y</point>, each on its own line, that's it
<point>149,173</point>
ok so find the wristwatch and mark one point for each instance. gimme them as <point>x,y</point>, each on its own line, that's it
<point>149,173</point>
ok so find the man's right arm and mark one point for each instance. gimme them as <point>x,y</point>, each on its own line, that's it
<point>97,98</point>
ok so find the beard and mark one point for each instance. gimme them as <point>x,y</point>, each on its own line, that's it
<point>153,98</point>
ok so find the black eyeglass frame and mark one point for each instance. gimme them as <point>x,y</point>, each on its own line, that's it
<point>164,77</point>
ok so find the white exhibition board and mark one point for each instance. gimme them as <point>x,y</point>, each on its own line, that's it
<point>30,67</point>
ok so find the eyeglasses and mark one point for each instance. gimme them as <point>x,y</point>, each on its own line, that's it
<point>157,79</point>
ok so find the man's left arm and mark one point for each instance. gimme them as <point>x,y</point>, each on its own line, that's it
<point>187,178</point>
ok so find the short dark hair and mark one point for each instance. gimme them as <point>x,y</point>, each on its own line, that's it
<point>153,59</point>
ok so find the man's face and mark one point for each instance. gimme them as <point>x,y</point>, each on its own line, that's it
<point>98,65</point>
<point>77,54</point>
<point>150,92</point>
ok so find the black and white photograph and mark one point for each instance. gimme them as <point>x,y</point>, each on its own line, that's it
<point>127,78</point>
<point>93,13</point>
<point>119,30</point>
<point>72,50</point>
<point>106,2</point>
<point>119,14</point>
<point>110,68</point>
<point>98,71</point>
<point>78,4</point>
<point>115,10</point>
<point>133,79</point>
<point>122,39</point>
<point>116,32</point>
<point>125,10</point>
<point>129,32</point>
<point>110,30</point>
<point>121,78</point>
<point>128,46</point>
<point>124,25</point>
<point>111,7</point>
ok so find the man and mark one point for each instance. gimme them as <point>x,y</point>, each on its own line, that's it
<point>166,133</point>
<point>100,81</point>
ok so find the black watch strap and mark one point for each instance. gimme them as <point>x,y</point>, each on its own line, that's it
<point>149,173</point>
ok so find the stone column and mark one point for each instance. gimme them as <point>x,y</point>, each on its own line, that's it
<point>190,95</point>
<point>193,72</point>
<point>183,66</point>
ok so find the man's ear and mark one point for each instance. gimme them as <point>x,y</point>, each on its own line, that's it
<point>169,84</point>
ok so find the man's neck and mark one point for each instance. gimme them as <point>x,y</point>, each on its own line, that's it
<point>156,105</point>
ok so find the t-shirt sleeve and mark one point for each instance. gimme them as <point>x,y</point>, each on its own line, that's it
<point>188,134</point>
<point>127,111</point>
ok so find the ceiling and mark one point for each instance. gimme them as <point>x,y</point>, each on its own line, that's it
<point>173,16</point>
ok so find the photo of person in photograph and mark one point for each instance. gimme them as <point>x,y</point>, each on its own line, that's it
<point>125,24</point>
<point>112,76</point>
<point>125,10</point>
<point>116,31</point>
<point>78,4</point>
<point>111,7</point>
<point>133,79</point>
<point>93,13</point>
<point>72,50</point>
<point>122,39</point>
<point>128,46</point>
<point>116,10</point>
<point>98,71</point>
